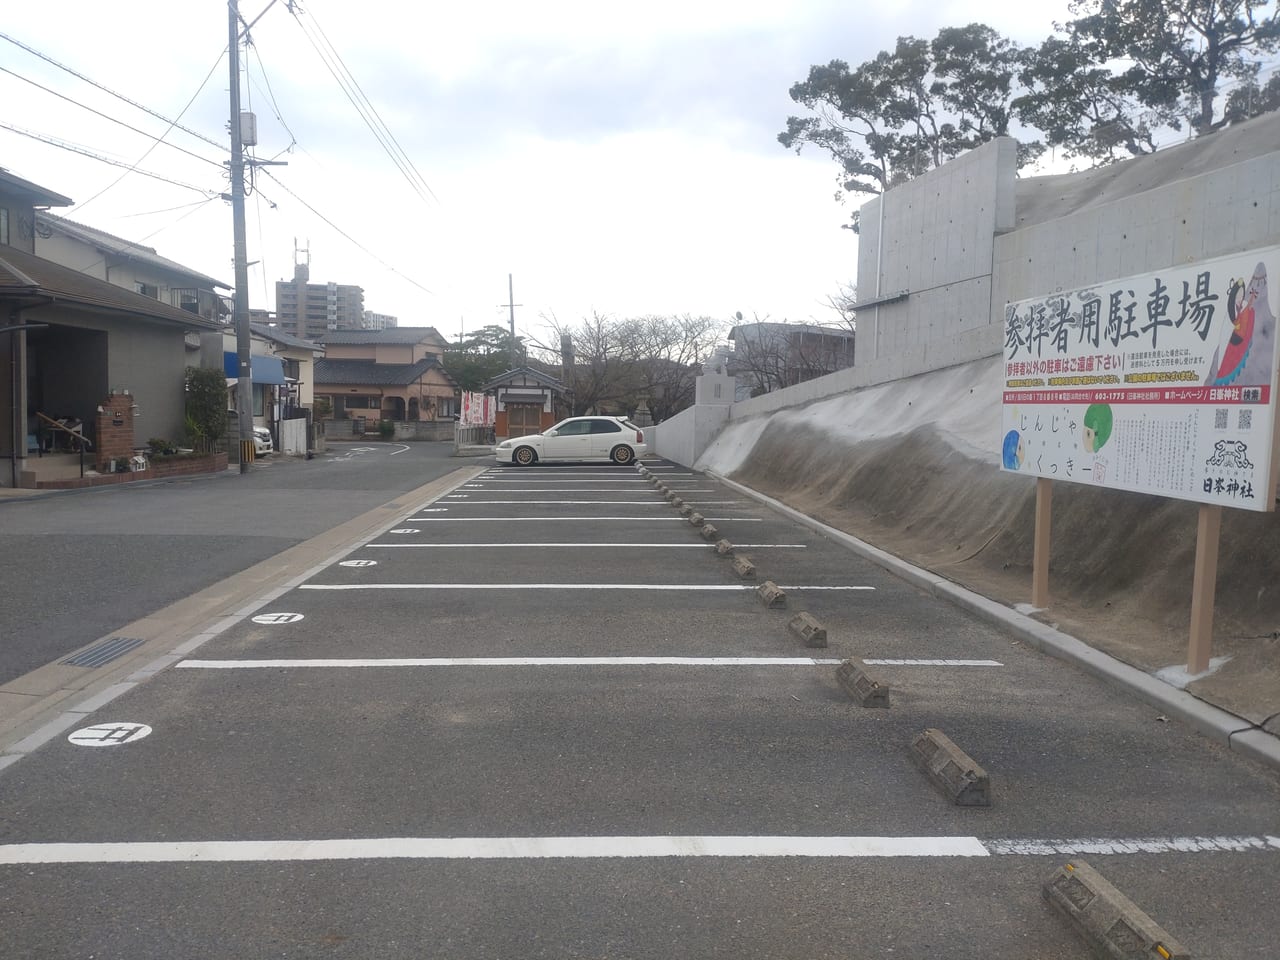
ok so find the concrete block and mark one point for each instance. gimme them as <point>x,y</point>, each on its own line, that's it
<point>1109,922</point>
<point>663,489</point>
<point>743,568</point>
<point>771,595</point>
<point>857,683</point>
<point>724,548</point>
<point>951,770</point>
<point>677,502</point>
<point>669,494</point>
<point>804,626</point>
<point>709,532</point>
<point>686,510</point>
<point>696,519</point>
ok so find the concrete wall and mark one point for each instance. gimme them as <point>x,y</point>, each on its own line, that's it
<point>683,437</point>
<point>966,239</point>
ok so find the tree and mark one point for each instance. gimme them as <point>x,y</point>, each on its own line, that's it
<point>909,110</point>
<point>1251,100</point>
<point>623,363</point>
<point>1125,69</point>
<point>206,407</point>
<point>485,354</point>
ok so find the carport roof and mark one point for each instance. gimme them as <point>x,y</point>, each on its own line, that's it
<point>366,373</point>
<point>34,280</point>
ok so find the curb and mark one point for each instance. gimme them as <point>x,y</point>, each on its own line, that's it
<point>1235,733</point>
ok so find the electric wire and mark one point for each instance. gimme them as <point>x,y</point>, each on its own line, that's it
<point>172,124</point>
<point>84,151</point>
<point>344,234</point>
<point>364,107</point>
<point>119,96</point>
<point>105,116</point>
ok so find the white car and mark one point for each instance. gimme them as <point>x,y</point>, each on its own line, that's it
<point>262,441</point>
<point>614,439</point>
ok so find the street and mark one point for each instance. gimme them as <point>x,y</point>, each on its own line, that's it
<point>531,712</point>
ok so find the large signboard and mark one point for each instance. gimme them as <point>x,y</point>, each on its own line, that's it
<point>1162,383</point>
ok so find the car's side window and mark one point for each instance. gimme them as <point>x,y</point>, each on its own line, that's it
<point>605,426</point>
<point>575,428</point>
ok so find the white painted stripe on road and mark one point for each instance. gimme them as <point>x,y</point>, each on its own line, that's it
<point>933,663</point>
<point>485,848</point>
<point>612,545</point>
<point>589,490</point>
<point>461,519</point>
<point>702,587</point>
<point>1102,846</point>
<point>612,503</point>
<point>512,662</point>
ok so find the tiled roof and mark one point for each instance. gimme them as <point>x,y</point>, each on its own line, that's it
<point>366,373</point>
<point>401,336</point>
<point>30,278</point>
<point>282,338</point>
<point>38,195</point>
<point>123,248</point>
<point>535,375</point>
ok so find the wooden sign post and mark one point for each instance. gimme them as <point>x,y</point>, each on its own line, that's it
<point>1040,551</point>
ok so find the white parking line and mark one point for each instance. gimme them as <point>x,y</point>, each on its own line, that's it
<point>591,490</point>
<point>462,519</point>
<point>511,662</point>
<point>627,544</point>
<point>486,848</point>
<point>703,587</point>
<point>933,663</point>
<point>541,848</point>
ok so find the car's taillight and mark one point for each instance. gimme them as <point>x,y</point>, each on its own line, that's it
<point>639,436</point>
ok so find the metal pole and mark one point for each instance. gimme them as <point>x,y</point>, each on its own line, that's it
<point>240,309</point>
<point>511,303</point>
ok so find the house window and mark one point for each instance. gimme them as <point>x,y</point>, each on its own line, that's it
<point>259,399</point>
<point>4,226</point>
<point>146,289</point>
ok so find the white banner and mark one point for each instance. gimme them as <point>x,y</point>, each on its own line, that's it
<point>478,410</point>
<point>1162,383</point>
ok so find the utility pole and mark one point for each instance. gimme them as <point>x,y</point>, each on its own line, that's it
<point>240,309</point>
<point>511,305</point>
<point>240,301</point>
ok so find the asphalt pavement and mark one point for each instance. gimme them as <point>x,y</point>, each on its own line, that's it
<point>489,712</point>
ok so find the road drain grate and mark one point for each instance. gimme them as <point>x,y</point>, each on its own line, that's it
<point>104,652</point>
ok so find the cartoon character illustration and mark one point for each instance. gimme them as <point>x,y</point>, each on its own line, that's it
<point>1097,427</point>
<point>1013,454</point>
<point>1244,355</point>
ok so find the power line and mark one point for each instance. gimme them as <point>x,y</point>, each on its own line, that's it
<point>344,234</point>
<point>119,96</point>
<point>85,152</point>
<point>106,116</point>
<point>159,140</point>
<point>364,107</point>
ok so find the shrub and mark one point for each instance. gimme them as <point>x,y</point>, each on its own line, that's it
<point>206,406</point>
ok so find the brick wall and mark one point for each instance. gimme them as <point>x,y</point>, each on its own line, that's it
<point>115,429</point>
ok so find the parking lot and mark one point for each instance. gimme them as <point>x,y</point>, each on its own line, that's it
<point>542,716</point>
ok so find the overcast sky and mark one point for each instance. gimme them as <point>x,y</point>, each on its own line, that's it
<point>613,158</point>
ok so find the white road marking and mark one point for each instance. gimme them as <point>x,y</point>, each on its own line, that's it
<point>1104,846</point>
<point>403,449</point>
<point>597,490</point>
<point>553,586</point>
<point>612,545</point>
<point>272,619</point>
<point>111,734</point>
<point>537,848</point>
<point>486,848</point>
<point>612,503</point>
<point>512,662</point>
<point>933,663</point>
<point>562,519</point>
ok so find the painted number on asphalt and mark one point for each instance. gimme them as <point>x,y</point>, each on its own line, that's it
<point>274,618</point>
<point>109,734</point>
<point>358,563</point>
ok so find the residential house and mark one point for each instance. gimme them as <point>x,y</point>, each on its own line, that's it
<point>769,356</point>
<point>93,340</point>
<point>391,374</point>
<point>130,265</point>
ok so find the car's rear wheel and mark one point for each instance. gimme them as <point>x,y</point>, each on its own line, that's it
<point>622,455</point>
<point>525,456</point>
